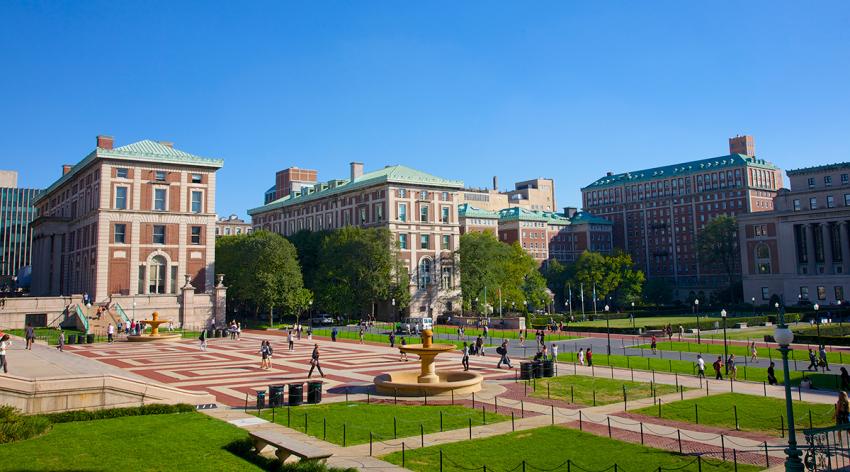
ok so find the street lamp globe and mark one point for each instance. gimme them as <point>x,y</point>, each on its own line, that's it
<point>783,336</point>
<point>607,308</point>
<point>723,313</point>
<point>776,305</point>
<point>393,301</point>
<point>816,307</point>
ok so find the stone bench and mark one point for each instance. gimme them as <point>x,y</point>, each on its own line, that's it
<point>694,331</point>
<point>286,446</point>
<point>740,325</point>
<point>658,333</point>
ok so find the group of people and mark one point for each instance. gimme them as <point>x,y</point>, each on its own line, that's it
<point>267,351</point>
<point>818,360</point>
<point>585,357</point>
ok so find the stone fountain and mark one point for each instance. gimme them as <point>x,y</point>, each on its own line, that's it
<point>427,380</point>
<point>154,335</point>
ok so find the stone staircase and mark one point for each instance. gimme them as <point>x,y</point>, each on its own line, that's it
<point>99,325</point>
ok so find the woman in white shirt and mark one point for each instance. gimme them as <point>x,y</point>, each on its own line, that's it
<point>4,344</point>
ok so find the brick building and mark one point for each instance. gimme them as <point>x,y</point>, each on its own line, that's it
<point>535,194</point>
<point>231,226</point>
<point>419,209</point>
<point>16,214</point>
<point>800,250</point>
<point>130,221</point>
<point>658,212</point>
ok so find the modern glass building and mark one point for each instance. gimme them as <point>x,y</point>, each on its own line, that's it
<point>16,214</point>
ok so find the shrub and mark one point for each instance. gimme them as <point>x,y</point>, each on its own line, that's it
<point>15,426</point>
<point>88,415</point>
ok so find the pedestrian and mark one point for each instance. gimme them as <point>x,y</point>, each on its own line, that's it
<point>238,331</point>
<point>554,352</point>
<point>653,344</point>
<point>110,333</point>
<point>479,346</point>
<point>314,362</point>
<point>392,340</point>
<point>681,332</point>
<point>718,364</point>
<point>291,341</point>
<point>60,343</point>
<point>361,335</point>
<point>813,360</point>
<point>754,352</point>
<point>30,336</point>
<point>581,356</point>
<point>771,374</point>
<point>270,352</point>
<point>700,367</point>
<point>589,357</point>
<point>465,359</point>
<point>264,355</point>
<point>503,352</point>
<point>823,360</point>
<point>403,355</point>
<point>521,339</point>
<point>333,334</point>
<point>4,344</point>
<point>845,380</point>
<point>203,339</point>
<point>842,409</point>
<point>731,368</point>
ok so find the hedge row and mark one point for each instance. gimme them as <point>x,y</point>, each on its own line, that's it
<point>89,415</point>
<point>704,324</point>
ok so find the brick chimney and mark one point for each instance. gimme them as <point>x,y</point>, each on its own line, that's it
<point>66,168</point>
<point>495,183</point>
<point>105,142</point>
<point>356,170</point>
<point>742,145</point>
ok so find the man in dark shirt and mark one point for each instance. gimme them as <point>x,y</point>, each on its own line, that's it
<point>30,336</point>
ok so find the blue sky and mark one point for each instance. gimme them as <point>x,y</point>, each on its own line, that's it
<point>465,90</point>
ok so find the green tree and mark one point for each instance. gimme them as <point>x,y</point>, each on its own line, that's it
<point>309,247</point>
<point>658,291</point>
<point>612,275</point>
<point>717,246</point>
<point>480,257</point>
<point>557,276</point>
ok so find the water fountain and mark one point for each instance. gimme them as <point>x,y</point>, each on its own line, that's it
<point>154,335</point>
<point>427,380</point>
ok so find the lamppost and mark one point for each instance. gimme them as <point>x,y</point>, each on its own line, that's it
<point>608,328</point>
<point>632,316</point>
<point>783,337</point>
<point>696,311</point>
<point>395,315</point>
<point>817,321</point>
<point>310,312</point>
<point>476,305</point>
<point>725,349</point>
<point>754,305</point>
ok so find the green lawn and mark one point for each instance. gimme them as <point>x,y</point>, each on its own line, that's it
<point>754,413</point>
<point>755,374</point>
<point>185,442</point>
<point>325,421</point>
<point>739,351</point>
<point>385,338</point>
<point>748,334</point>
<point>580,389</point>
<point>546,449</point>
<point>642,322</point>
<point>499,334</point>
<point>51,335</point>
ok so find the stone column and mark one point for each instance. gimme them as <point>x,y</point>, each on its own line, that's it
<point>844,236</point>
<point>187,306</point>
<point>810,248</point>
<point>220,302</point>
<point>826,237</point>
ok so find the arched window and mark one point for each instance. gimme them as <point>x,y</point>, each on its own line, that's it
<point>156,275</point>
<point>425,270</point>
<point>763,259</point>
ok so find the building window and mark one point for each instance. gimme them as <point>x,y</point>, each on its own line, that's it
<point>425,268</point>
<point>159,196</point>
<point>379,212</point>
<point>830,201</point>
<point>765,293</point>
<point>423,195</point>
<point>827,180</point>
<point>804,293</point>
<point>120,198</point>
<point>444,217</point>
<point>847,199</point>
<point>196,235</point>
<point>159,234</point>
<point>445,196</point>
<point>446,279</point>
<point>197,199</point>
<point>119,234</point>
<point>402,241</point>
<point>424,241</point>
<point>821,292</point>
<point>159,176</point>
<point>362,215</point>
<point>446,243</point>
<point>813,203</point>
<point>796,204</point>
<point>763,259</point>
<point>402,211</point>
<point>156,275</point>
<point>839,293</point>
<point>423,213</point>
<point>811,182</point>
<point>121,172</point>
<point>845,179</point>
<point>196,178</point>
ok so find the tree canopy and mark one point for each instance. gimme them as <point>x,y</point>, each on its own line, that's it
<point>612,275</point>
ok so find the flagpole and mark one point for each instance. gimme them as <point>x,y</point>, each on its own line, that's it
<point>594,300</point>
<point>570,302</point>
<point>583,316</point>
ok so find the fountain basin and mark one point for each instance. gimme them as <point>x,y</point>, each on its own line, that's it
<point>407,383</point>
<point>147,338</point>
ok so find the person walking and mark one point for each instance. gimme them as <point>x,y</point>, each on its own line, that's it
<point>581,357</point>
<point>503,352</point>
<point>403,355</point>
<point>479,346</point>
<point>270,351</point>
<point>314,362</point>
<point>264,355</point>
<point>754,352</point>
<point>334,332</point>
<point>589,357</point>
<point>653,344</point>
<point>700,367</point>
<point>554,352</point>
<point>731,368</point>
<point>845,380</point>
<point>290,341</point>
<point>110,333</point>
<point>718,364</point>
<point>361,334</point>
<point>203,339</point>
<point>813,360</point>
<point>681,332</point>
<point>29,335</point>
<point>60,342</point>
<point>4,344</point>
<point>465,359</point>
<point>392,340</point>
<point>771,374</point>
<point>842,409</point>
<point>823,360</point>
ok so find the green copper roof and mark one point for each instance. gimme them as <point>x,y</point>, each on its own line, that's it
<point>679,170</point>
<point>521,214</point>
<point>397,174</point>
<point>145,150</point>
<point>821,168</point>
<point>466,210</point>
<point>585,217</point>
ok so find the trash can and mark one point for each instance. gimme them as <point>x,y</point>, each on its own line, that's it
<point>70,339</point>
<point>81,339</point>
<point>314,392</point>
<point>89,338</point>
<point>538,369</point>
<point>296,394</point>
<point>275,395</point>
<point>261,399</point>
<point>548,369</point>
<point>525,371</point>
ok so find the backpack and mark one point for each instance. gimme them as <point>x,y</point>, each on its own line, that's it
<point>500,350</point>
<point>270,350</point>
<point>716,365</point>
